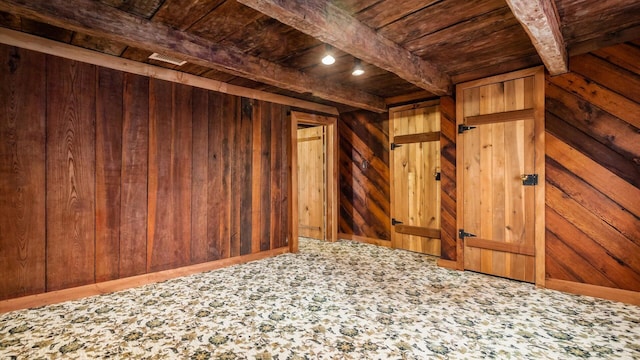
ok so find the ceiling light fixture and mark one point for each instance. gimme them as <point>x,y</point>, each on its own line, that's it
<point>328,58</point>
<point>357,68</point>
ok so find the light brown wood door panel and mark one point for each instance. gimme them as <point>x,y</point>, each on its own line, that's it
<point>497,208</point>
<point>311,184</point>
<point>415,191</point>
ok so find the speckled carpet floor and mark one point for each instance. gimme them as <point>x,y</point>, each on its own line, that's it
<point>344,300</point>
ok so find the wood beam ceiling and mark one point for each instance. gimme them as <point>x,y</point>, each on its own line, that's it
<point>99,20</point>
<point>541,21</point>
<point>333,25</point>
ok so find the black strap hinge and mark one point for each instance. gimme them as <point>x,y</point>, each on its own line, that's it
<point>395,222</point>
<point>462,234</point>
<point>394,146</point>
<point>462,128</point>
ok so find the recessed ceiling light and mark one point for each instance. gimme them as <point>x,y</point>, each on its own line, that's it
<point>357,68</point>
<point>328,58</point>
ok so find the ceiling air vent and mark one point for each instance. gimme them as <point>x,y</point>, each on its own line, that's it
<point>168,59</point>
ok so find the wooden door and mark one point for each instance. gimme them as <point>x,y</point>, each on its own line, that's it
<point>311,182</point>
<point>500,125</point>
<point>415,166</point>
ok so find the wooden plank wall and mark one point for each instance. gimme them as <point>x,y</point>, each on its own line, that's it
<point>105,175</point>
<point>448,134</point>
<point>364,193</point>
<point>593,170</point>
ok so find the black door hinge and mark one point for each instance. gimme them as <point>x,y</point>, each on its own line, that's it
<point>437,176</point>
<point>394,146</point>
<point>395,222</point>
<point>462,234</point>
<point>462,128</point>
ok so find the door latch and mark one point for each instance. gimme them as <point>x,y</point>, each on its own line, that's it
<point>529,179</point>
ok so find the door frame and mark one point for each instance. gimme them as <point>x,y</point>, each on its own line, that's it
<point>539,166</point>
<point>331,169</point>
<point>392,207</point>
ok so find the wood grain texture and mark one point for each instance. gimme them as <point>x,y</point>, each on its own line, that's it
<point>448,134</point>
<point>22,172</point>
<point>135,162</point>
<point>592,171</point>
<point>364,193</point>
<point>169,235</point>
<point>108,172</point>
<point>156,157</point>
<point>70,190</point>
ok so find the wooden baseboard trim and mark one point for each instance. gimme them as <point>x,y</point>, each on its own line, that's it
<point>130,282</point>
<point>366,240</point>
<point>449,264</point>
<point>625,296</point>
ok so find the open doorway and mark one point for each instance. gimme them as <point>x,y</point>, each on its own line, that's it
<point>315,213</point>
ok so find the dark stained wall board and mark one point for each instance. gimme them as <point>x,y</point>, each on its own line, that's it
<point>106,175</point>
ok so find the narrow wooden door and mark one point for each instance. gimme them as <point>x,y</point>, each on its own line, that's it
<point>500,168</point>
<point>311,182</point>
<point>415,167</point>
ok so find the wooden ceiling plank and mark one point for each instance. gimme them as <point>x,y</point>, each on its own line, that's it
<point>103,21</point>
<point>541,21</point>
<point>332,25</point>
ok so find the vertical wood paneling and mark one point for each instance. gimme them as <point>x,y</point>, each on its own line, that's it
<point>70,190</point>
<point>133,198</point>
<point>593,132</point>
<point>243,181</point>
<point>108,172</point>
<point>267,113</point>
<point>132,175</point>
<point>22,172</point>
<point>216,210</point>
<point>200,178</point>
<point>170,134</point>
<point>364,193</point>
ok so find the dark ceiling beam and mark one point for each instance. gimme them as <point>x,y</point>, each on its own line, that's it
<point>334,26</point>
<point>541,21</point>
<point>93,18</point>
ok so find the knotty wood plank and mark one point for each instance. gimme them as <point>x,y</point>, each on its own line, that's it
<point>499,117</point>
<point>170,131</point>
<point>244,176</point>
<point>541,21</point>
<point>183,14</point>
<point>599,153</point>
<point>609,101</point>
<point>622,55</point>
<point>22,172</point>
<point>595,174</point>
<point>603,127</point>
<point>608,75</point>
<point>95,19</point>
<point>336,27</point>
<point>109,98</point>
<point>217,194</point>
<point>256,174</point>
<point>133,200</point>
<point>418,231</point>
<point>268,110</point>
<point>200,249</point>
<point>416,138</point>
<point>70,189</point>
<point>381,14</point>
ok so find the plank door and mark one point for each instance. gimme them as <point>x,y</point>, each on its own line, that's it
<point>414,132</point>
<point>311,182</point>
<point>500,164</point>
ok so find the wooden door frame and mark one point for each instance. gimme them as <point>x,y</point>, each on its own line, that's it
<point>331,194</point>
<point>392,209</point>
<point>539,166</point>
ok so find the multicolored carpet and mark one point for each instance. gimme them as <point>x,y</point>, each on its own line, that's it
<point>344,300</point>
